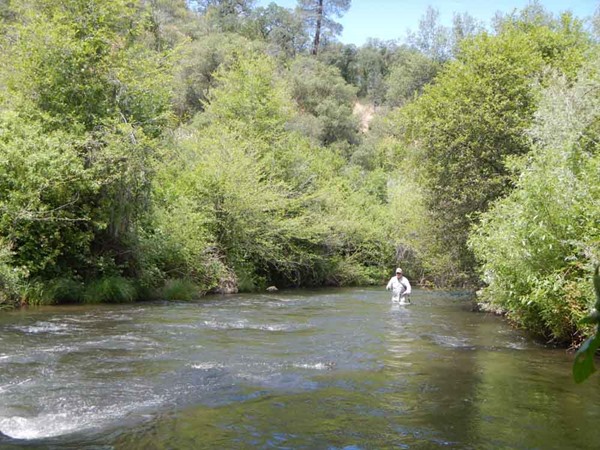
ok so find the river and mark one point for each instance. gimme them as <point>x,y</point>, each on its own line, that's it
<point>305,369</point>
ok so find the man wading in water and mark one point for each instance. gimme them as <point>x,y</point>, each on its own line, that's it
<point>400,288</point>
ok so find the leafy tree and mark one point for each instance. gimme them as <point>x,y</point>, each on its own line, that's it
<point>384,155</point>
<point>532,15</point>
<point>408,76</point>
<point>229,175</point>
<point>321,93</point>
<point>380,148</point>
<point>88,100</point>
<point>539,245</point>
<point>432,39</point>
<point>281,28</point>
<point>474,117</point>
<point>197,64</point>
<point>373,62</point>
<point>464,26</point>
<point>318,16</point>
<point>249,98</point>
<point>224,15</point>
<point>438,42</point>
<point>88,70</point>
<point>344,57</point>
<point>172,22</point>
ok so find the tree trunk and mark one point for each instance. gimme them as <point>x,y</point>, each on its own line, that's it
<point>317,39</point>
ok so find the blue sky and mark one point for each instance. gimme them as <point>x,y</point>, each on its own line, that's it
<point>389,19</point>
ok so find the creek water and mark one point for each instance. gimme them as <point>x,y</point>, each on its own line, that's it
<point>322,369</point>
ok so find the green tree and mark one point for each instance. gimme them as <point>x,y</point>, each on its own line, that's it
<point>250,98</point>
<point>464,26</point>
<point>344,57</point>
<point>373,62</point>
<point>432,39</point>
<point>88,70</point>
<point>539,245</point>
<point>281,28</point>
<point>227,180</point>
<point>42,183</point>
<point>474,117</point>
<point>319,14</point>
<point>408,76</point>
<point>325,100</point>
<point>227,16</point>
<point>88,100</point>
<point>197,64</point>
<point>171,22</point>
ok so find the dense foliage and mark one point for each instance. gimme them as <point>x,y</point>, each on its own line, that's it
<point>538,245</point>
<point>110,191</point>
<point>84,104</point>
<point>475,116</point>
<point>170,148</point>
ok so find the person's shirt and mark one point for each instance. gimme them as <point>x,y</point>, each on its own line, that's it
<point>399,286</point>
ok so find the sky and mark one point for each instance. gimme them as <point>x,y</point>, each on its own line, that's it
<point>390,19</point>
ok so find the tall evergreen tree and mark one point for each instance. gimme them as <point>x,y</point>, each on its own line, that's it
<point>318,15</point>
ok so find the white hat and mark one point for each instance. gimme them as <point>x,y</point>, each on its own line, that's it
<point>398,270</point>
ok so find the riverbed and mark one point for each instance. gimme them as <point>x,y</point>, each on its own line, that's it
<point>299,369</point>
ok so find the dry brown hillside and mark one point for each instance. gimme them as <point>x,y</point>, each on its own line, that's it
<point>365,112</point>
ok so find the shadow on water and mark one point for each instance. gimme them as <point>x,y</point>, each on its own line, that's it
<point>301,369</point>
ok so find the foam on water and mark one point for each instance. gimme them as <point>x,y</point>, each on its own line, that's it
<point>57,423</point>
<point>46,327</point>
<point>245,325</point>
<point>315,366</point>
<point>42,426</point>
<point>206,366</point>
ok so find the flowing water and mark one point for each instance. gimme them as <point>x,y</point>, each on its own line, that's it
<point>323,369</point>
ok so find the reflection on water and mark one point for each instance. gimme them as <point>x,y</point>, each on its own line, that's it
<point>305,369</point>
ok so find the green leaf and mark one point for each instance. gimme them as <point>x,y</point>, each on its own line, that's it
<point>583,366</point>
